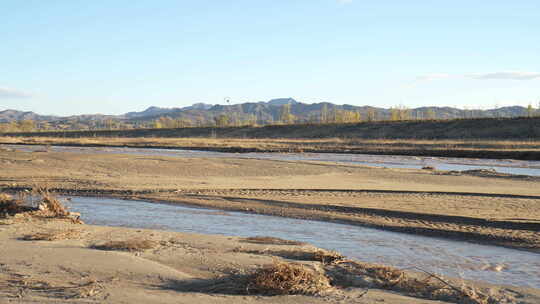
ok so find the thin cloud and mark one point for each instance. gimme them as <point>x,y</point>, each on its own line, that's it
<point>506,76</point>
<point>430,77</point>
<point>480,76</point>
<point>6,93</point>
<point>426,78</point>
<point>344,1</point>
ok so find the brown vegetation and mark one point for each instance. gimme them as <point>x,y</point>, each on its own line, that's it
<point>52,235</point>
<point>354,274</point>
<point>46,206</point>
<point>487,128</point>
<point>127,245</point>
<point>50,204</point>
<point>481,148</point>
<point>282,278</point>
<point>278,278</point>
<point>20,285</point>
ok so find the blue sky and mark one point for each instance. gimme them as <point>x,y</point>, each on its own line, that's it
<point>101,56</point>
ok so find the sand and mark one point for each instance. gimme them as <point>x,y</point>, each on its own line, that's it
<point>177,270</point>
<point>496,210</point>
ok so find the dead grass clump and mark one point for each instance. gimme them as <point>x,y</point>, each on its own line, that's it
<point>271,241</point>
<point>128,245</point>
<point>52,235</point>
<point>278,278</point>
<point>47,205</point>
<point>282,278</point>
<point>50,203</point>
<point>430,286</point>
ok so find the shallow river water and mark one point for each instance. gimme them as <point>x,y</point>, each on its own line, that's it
<point>459,259</point>
<point>510,166</point>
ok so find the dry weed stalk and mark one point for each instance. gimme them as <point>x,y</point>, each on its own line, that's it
<point>21,285</point>
<point>50,203</point>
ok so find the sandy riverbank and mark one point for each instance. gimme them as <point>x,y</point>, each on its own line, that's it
<point>488,209</point>
<point>72,267</point>
<point>493,210</point>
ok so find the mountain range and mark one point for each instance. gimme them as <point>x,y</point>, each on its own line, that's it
<point>263,112</point>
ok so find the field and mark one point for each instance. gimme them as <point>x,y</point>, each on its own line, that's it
<point>514,138</point>
<point>523,128</point>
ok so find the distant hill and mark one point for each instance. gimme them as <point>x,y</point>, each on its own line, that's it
<point>151,112</point>
<point>13,115</point>
<point>265,112</point>
<point>258,112</point>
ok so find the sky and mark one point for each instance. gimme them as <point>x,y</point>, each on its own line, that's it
<point>69,57</point>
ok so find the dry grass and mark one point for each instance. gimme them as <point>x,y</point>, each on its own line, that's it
<point>19,286</point>
<point>430,286</point>
<point>49,203</point>
<point>278,278</point>
<point>282,278</point>
<point>46,206</point>
<point>283,144</point>
<point>52,235</point>
<point>127,245</point>
<point>271,241</point>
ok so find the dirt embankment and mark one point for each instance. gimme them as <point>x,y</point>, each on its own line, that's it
<point>458,129</point>
<point>514,138</point>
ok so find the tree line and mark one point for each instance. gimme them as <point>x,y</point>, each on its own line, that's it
<point>234,119</point>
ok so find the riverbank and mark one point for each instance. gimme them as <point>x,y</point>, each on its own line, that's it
<point>485,209</point>
<point>489,149</point>
<point>520,128</point>
<point>51,260</point>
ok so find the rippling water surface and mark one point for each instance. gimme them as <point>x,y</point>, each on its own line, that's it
<point>459,259</point>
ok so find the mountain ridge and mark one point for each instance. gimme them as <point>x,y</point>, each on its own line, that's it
<point>264,112</point>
